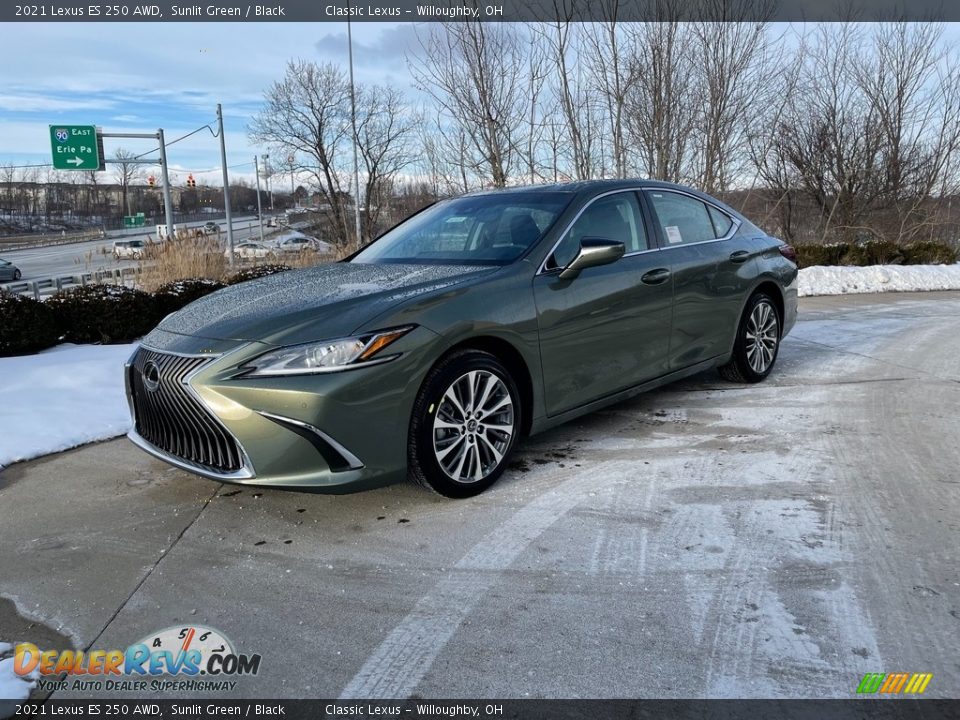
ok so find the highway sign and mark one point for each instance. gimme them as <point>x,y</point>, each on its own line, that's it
<point>76,147</point>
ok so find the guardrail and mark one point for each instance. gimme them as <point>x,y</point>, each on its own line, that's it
<point>27,242</point>
<point>48,286</point>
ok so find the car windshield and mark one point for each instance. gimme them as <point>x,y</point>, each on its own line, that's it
<point>493,229</point>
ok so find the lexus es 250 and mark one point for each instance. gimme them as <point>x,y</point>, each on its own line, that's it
<point>481,319</point>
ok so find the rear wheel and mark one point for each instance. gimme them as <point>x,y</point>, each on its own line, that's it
<point>464,424</point>
<point>757,344</point>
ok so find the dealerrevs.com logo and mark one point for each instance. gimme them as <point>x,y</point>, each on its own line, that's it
<point>175,659</point>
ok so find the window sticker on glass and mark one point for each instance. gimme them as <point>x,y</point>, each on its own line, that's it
<point>673,234</point>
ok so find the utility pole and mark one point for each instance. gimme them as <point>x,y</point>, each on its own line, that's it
<point>256,170</point>
<point>353,121</point>
<point>268,174</point>
<point>165,177</point>
<point>293,193</point>
<point>226,185</point>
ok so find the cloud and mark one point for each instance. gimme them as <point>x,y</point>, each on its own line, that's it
<point>26,103</point>
<point>392,44</point>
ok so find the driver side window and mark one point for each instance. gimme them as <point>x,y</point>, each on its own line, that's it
<point>613,217</point>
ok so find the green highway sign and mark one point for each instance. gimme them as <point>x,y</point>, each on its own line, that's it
<point>76,147</point>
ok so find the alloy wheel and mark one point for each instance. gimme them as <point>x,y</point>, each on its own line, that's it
<point>473,426</point>
<point>763,334</point>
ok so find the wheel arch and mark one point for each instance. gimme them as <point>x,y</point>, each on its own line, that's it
<point>771,288</point>
<point>512,358</point>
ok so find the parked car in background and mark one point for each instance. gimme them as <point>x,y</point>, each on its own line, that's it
<point>250,251</point>
<point>9,271</point>
<point>293,244</point>
<point>475,322</point>
<point>129,249</point>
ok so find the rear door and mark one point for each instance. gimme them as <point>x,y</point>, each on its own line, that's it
<point>713,269</point>
<point>607,329</point>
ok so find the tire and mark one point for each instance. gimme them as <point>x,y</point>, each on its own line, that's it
<point>755,353</point>
<point>451,450</point>
<point>16,275</point>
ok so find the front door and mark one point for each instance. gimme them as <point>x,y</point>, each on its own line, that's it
<point>607,329</point>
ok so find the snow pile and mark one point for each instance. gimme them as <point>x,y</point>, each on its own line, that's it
<point>846,279</point>
<point>12,686</point>
<point>61,398</point>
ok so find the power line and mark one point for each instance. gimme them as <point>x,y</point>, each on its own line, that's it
<point>174,142</point>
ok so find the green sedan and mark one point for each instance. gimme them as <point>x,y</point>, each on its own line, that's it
<point>482,319</point>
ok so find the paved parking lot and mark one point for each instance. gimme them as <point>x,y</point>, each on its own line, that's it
<point>706,539</point>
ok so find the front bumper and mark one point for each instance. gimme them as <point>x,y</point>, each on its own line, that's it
<point>334,432</point>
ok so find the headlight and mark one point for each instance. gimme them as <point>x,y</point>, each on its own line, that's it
<point>324,356</point>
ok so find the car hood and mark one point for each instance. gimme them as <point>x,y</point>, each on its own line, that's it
<point>318,303</point>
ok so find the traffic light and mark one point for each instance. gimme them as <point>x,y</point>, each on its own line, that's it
<point>151,181</point>
<point>191,182</point>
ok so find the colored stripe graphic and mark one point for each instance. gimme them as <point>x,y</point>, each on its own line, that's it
<point>894,683</point>
<point>870,683</point>
<point>918,683</point>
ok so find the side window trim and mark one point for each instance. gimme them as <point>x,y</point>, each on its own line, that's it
<point>734,225</point>
<point>642,206</point>
<point>650,219</point>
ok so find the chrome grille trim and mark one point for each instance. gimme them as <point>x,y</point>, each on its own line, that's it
<point>173,423</point>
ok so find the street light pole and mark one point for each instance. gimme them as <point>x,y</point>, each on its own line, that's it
<point>226,185</point>
<point>353,121</point>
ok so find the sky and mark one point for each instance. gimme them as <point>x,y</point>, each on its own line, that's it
<point>139,77</point>
<point>135,78</point>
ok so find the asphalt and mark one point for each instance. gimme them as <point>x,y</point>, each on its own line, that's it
<point>93,255</point>
<point>704,540</point>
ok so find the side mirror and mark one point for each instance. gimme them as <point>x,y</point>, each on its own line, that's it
<point>593,252</point>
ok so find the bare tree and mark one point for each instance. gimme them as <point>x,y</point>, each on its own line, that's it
<point>475,73</point>
<point>609,53</point>
<point>659,106</point>
<point>574,97</point>
<point>384,133</point>
<point>872,130</point>
<point>125,170</point>
<point>737,83</point>
<point>307,114</point>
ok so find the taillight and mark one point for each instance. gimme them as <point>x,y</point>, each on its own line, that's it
<point>789,252</point>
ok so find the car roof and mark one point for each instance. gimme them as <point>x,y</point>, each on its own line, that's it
<point>580,186</point>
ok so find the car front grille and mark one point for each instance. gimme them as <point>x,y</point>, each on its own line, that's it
<point>168,416</point>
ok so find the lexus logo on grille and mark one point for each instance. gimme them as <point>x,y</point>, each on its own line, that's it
<point>151,376</point>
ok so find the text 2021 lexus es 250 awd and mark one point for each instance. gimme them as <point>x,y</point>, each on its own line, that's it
<point>478,320</point>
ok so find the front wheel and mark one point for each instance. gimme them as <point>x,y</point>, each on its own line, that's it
<point>16,275</point>
<point>464,425</point>
<point>757,344</point>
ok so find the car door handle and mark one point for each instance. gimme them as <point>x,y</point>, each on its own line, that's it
<point>656,277</point>
<point>739,256</point>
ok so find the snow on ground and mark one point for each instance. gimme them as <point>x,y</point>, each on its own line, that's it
<point>71,395</point>
<point>12,686</point>
<point>844,280</point>
<point>61,398</point>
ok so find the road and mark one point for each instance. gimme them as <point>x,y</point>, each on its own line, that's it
<point>56,260</point>
<point>707,539</point>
